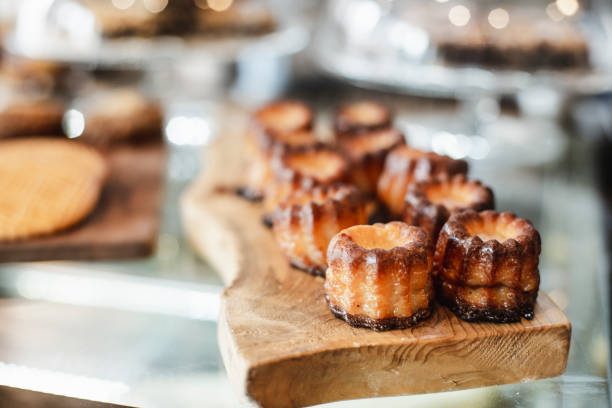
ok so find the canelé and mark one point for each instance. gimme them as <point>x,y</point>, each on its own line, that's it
<point>405,165</point>
<point>486,266</point>
<point>430,203</point>
<point>306,221</point>
<point>379,276</point>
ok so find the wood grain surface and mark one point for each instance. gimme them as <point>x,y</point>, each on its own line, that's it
<point>282,347</point>
<point>124,223</point>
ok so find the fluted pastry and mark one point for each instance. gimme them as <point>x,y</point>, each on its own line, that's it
<point>486,266</point>
<point>306,221</point>
<point>361,117</point>
<point>379,276</point>
<point>405,165</point>
<point>278,125</point>
<point>366,153</point>
<point>300,169</point>
<point>430,203</point>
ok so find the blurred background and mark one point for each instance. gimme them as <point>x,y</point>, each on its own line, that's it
<point>521,89</point>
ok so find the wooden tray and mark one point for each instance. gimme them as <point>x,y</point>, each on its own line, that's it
<point>283,347</point>
<point>124,223</point>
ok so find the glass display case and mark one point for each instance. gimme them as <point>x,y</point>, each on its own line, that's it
<point>143,332</point>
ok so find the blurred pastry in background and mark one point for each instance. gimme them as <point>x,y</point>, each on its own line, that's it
<point>182,17</point>
<point>32,117</point>
<point>514,39</point>
<point>361,117</point>
<point>27,75</point>
<point>47,185</point>
<point>367,153</point>
<point>114,117</point>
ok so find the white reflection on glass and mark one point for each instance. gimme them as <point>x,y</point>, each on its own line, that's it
<point>133,294</point>
<point>186,130</point>
<point>58,383</point>
<point>553,12</point>
<point>155,6</point>
<point>73,123</point>
<point>220,5</point>
<point>568,7</point>
<point>499,18</point>
<point>123,4</point>
<point>361,17</point>
<point>460,146</point>
<point>412,41</point>
<point>459,15</point>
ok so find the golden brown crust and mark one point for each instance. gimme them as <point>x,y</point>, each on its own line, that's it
<point>379,276</point>
<point>306,221</point>
<point>47,185</point>
<point>361,117</point>
<point>486,266</point>
<point>280,125</point>
<point>430,203</point>
<point>36,118</point>
<point>405,165</point>
<point>300,169</point>
<point>366,153</point>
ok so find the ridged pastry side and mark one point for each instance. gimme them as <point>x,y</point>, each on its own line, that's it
<point>361,117</point>
<point>486,266</point>
<point>301,169</point>
<point>379,276</point>
<point>306,221</point>
<point>405,165</point>
<point>278,125</point>
<point>428,204</point>
<point>366,153</point>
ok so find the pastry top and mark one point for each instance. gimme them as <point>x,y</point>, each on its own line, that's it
<point>47,185</point>
<point>363,116</point>
<point>423,165</point>
<point>373,243</point>
<point>491,226</point>
<point>451,194</point>
<point>372,144</point>
<point>283,117</point>
<point>320,164</point>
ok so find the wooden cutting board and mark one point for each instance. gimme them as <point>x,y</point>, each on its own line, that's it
<point>282,347</point>
<point>124,223</point>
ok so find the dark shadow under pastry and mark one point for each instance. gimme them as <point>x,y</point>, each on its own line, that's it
<point>486,266</point>
<point>405,165</point>
<point>430,203</point>
<point>366,153</point>
<point>306,221</point>
<point>379,276</point>
<point>361,117</point>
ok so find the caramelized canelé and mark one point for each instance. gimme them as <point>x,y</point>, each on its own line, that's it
<point>366,153</point>
<point>300,169</point>
<point>486,266</point>
<point>379,276</point>
<point>430,203</point>
<point>405,165</point>
<point>306,221</point>
<point>278,125</point>
<point>361,117</point>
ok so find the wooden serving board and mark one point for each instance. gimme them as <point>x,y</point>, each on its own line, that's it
<point>282,347</point>
<point>124,223</point>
